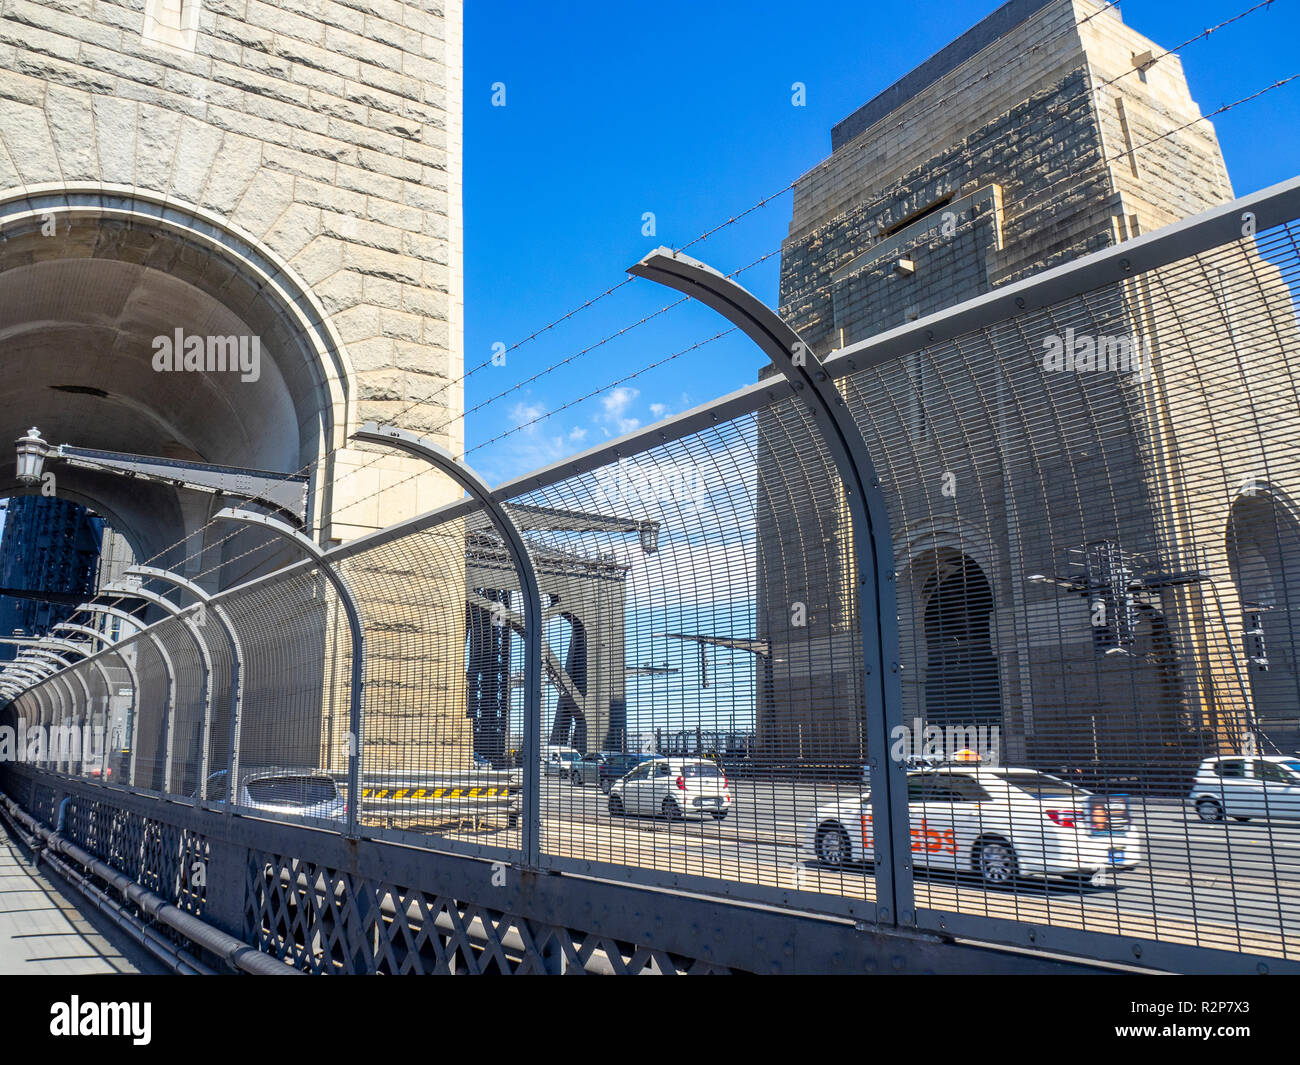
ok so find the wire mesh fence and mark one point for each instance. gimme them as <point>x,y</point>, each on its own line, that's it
<point>1096,546</point>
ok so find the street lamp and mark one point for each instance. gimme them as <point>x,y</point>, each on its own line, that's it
<point>649,537</point>
<point>285,493</point>
<point>32,450</point>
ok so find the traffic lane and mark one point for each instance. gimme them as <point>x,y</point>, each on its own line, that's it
<point>684,849</point>
<point>775,814</point>
<point>1235,872</point>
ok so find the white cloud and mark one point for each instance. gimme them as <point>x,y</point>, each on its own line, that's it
<point>523,412</point>
<point>615,407</point>
<point>658,409</point>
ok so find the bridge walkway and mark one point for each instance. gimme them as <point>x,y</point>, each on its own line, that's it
<point>45,928</point>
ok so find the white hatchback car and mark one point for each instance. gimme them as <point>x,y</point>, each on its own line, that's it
<point>1000,823</point>
<point>1246,786</point>
<point>672,788</point>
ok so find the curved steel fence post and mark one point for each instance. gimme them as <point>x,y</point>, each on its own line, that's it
<point>105,642</point>
<point>133,726</point>
<point>67,702</point>
<point>356,701</point>
<point>133,591</point>
<point>236,667</point>
<point>44,705</point>
<point>872,544</point>
<point>29,669</point>
<point>43,651</point>
<point>102,670</point>
<point>73,717</point>
<point>30,681</point>
<point>518,550</point>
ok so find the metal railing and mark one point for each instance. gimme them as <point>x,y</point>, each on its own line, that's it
<point>1055,526</point>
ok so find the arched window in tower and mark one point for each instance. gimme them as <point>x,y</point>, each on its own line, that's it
<point>961,677</point>
<point>1264,555</point>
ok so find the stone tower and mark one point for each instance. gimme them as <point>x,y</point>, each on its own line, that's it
<point>1048,131</point>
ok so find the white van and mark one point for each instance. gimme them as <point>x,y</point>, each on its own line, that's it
<point>558,761</point>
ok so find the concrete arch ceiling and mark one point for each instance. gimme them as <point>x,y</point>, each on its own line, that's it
<point>79,311</point>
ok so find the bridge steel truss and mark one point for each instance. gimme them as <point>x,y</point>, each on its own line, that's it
<point>965,499</point>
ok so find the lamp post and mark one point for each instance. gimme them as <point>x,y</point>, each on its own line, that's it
<point>284,493</point>
<point>458,471</point>
<point>32,450</point>
<point>356,696</point>
<point>649,535</point>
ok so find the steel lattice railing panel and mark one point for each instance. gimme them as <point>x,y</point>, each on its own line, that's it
<point>328,921</point>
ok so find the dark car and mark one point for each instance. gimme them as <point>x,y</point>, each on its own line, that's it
<point>604,768</point>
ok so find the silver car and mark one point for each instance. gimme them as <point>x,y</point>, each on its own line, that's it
<point>291,792</point>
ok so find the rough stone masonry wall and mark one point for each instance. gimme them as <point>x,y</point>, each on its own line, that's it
<point>327,130</point>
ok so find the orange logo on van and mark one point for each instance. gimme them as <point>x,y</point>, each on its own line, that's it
<point>925,838</point>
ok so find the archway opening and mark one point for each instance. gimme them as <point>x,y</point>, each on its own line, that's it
<point>1263,540</point>
<point>961,670</point>
<point>129,326</point>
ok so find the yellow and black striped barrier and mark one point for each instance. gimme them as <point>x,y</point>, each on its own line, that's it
<point>415,794</point>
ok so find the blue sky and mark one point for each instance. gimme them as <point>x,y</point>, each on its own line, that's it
<point>684,110</point>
